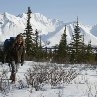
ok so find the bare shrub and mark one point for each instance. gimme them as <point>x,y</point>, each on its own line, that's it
<point>4,82</point>
<point>52,74</point>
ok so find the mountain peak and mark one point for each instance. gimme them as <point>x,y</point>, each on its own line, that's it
<point>22,15</point>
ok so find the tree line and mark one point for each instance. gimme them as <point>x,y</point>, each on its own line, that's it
<point>75,52</point>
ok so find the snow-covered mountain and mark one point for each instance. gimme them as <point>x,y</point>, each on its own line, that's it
<point>50,29</point>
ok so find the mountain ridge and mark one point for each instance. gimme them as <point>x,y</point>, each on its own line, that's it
<point>49,29</point>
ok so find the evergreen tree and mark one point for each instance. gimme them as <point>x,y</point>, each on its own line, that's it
<point>83,52</point>
<point>90,57</point>
<point>96,57</point>
<point>62,49</point>
<point>36,38</point>
<point>29,36</point>
<point>38,47</point>
<point>77,43</point>
<point>55,54</point>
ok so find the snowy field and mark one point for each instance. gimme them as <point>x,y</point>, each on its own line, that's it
<point>83,85</point>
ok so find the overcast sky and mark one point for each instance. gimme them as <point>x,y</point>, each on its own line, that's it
<point>64,10</point>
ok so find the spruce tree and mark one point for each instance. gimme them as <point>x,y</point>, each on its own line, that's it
<point>90,57</point>
<point>96,57</point>
<point>77,43</point>
<point>55,54</point>
<point>83,52</point>
<point>62,49</point>
<point>38,49</point>
<point>36,38</point>
<point>29,36</point>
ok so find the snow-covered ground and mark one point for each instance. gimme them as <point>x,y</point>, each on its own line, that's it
<point>84,85</point>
